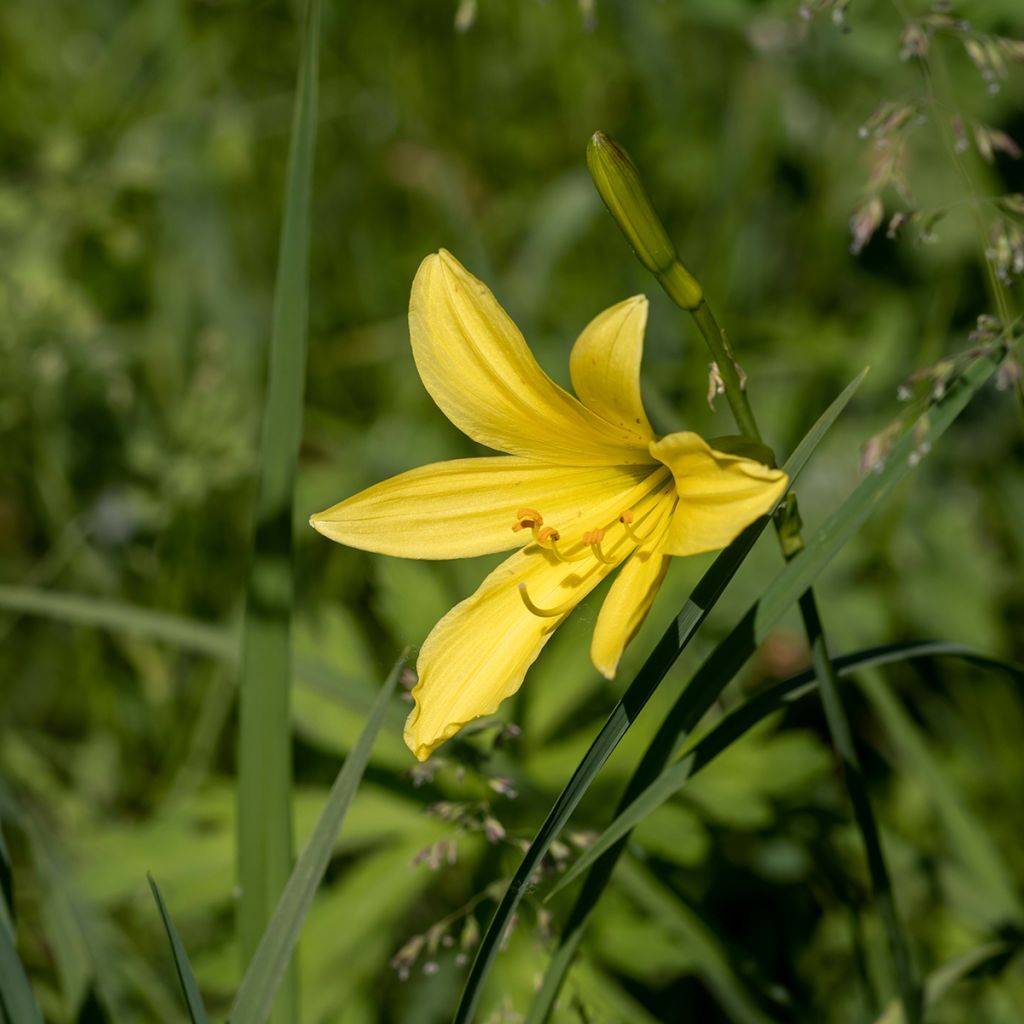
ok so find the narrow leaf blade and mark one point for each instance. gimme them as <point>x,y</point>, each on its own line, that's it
<point>259,986</point>
<point>186,978</point>
<point>264,750</point>
<point>666,651</point>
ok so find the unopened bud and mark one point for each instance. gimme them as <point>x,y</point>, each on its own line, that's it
<point>619,185</point>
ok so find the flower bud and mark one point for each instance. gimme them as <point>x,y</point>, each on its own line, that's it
<point>619,185</point>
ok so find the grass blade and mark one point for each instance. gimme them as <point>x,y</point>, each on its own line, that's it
<point>264,758</point>
<point>16,997</point>
<point>730,655</point>
<point>87,610</point>
<point>712,961</point>
<point>938,983</point>
<point>980,855</point>
<point>744,718</point>
<point>189,988</point>
<point>625,712</point>
<point>256,993</point>
<point>17,1003</point>
<point>864,817</point>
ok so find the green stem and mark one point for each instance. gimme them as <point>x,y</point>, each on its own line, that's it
<point>728,368</point>
<point>788,532</point>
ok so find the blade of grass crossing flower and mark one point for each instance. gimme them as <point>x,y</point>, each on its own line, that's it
<point>267,968</point>
<point>741,721</point>
<point>730,655</point>
<point>189,988</point>
<point>661,659</point>
<point>264,757</point>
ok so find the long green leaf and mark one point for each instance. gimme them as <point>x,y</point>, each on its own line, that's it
<point>186,979</point>
<point>730,655</point>
<point>971,840</point>
<point>221,642</point>
<point>741,721</point>
<point>941,981</point>
<point>88,610</point>
<point>16,998</point>
<point>256,993</point>
<point>264,750</point>
<point>625,712</point>
<point>863,814</point>
<point>709,955</point>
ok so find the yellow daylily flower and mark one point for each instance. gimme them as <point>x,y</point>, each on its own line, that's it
<point>585,487</point>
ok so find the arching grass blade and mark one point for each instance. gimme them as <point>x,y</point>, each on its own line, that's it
<point>938,983</point>
<point>189,988</point>
<point>625,712</point>
<point>742,720</point>
<point>264,974</point>
<point>730,655</point>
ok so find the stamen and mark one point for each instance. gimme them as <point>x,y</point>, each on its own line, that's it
<point>545,613</point>
<point>549,538</point>
<point>528,519</point>
<point>594,538</point>
<point>627,522</point>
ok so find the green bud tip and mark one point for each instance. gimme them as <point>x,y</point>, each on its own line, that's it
<point>619,185</point>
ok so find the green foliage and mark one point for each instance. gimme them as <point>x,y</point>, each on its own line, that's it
<point>143,149</point>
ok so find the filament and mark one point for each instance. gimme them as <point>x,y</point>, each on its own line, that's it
<point>546,613</point>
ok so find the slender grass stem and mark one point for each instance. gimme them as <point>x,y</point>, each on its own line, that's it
<point>788,531</point>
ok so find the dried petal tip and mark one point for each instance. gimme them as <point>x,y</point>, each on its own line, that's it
<point>619,185</point>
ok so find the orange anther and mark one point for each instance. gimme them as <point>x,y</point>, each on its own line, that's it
<point>548,533</point>
<point>527,519</point>
<point>626,517</point>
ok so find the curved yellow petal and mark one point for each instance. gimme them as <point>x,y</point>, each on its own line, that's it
<point>720,494</point>
<point>605,366</point>
<point>467,507</point>
<point>477,655</point>
<point>478,369</point>
<point>625,607</point>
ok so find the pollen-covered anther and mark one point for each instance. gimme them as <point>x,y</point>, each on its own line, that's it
<point>528,519</point>
<point>627,522</point>
<point>549,537</point>
<point>546,613</point>
<point>594,538</point>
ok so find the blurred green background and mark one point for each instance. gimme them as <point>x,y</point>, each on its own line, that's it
<point>142,150</point>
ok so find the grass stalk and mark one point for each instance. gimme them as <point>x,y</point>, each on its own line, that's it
<point>264,743</point>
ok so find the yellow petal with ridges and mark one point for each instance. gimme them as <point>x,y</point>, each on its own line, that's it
<point>467,507</point>
<point>720,494</point>
<point>605,366</point>
<point>625,607</point>
<point>477,655</point>
<point>480,372</point>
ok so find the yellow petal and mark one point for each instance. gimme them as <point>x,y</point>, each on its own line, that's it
<point>477,655</point>
<point>605,366</point>
<point>625,608</point>
<point>477,367</point>
<point>719,493</point>
<point>467,507</point>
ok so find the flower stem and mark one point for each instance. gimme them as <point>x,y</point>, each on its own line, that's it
<point>619,184</point>
<point>721,352</point>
